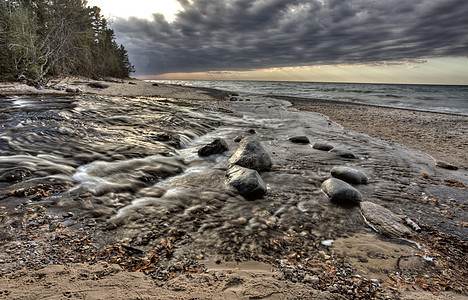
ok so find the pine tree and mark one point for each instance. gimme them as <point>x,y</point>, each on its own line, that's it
<point>58,38</point>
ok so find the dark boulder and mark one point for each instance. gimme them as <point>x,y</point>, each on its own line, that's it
<point>217,146</point>
<point>340,192</point>
<point>247,182</point>
<point>299,140</point>
<point>251,154</point>
<point>322,146</point>
<point>349,175</point>
<point>345,153</point>
<point>238,138</point>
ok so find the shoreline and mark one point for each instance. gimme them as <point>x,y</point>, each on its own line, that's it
<point>69,278</point>
<point>444,136</point>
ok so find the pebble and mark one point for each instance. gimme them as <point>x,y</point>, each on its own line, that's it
<point>311,279</point>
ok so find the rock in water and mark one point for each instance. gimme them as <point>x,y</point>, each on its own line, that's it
<point>299,140</point>
<point>445,165</point>
<point>349,175</point>
<point>340,192</point>
<point>250,154</point>
<point>217,146</point>
<point>345,153</point>
<point>247,182</point>
<point>383,220</point>
<point>322,146</point>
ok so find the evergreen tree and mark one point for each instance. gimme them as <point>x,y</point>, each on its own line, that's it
<point>59,38</point>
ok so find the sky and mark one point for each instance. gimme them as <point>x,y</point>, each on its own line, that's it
<point>391,41</point>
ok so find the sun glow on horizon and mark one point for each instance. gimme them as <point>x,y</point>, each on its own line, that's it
<point>453,70</point>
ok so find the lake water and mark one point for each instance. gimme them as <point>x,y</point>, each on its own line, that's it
<point>438,98</point>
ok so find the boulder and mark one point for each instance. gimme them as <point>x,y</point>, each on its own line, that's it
<point>345,153</point>
<point>322,146</point>
<point>349,175</point>
<point>217,146</point>
<point>299,140</point>
<point>251,154</point>
<point>247,182</point>
<point>383,220</point>
<point>340,192</point>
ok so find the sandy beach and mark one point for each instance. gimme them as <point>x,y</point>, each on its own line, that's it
<point>443,136</point>
<point>84,270</point>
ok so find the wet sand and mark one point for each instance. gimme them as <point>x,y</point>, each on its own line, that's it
<point>231,281</point>
<point>443,136</point>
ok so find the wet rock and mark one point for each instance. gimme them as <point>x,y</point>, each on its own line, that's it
<point>14,175</point>
<point>238,138</point>
<point>251,154</point>
<point>383,220</point>
<point>345,153</point>
<point>132,83</point>
<point>217,146</point>
<point>251,131</point>
<point>340,192</point>
<point>98,85</point>
<point>155,84</point>
<point>349,175</point>
<point>233,99</point>
<point>322,146</point>
<point>445,165</point>
<point>247,182</point>
<point>70,90</point>
<point>299,140</point>
<point>235,95</point>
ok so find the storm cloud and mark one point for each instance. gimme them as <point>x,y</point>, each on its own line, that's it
<point>240,35</point>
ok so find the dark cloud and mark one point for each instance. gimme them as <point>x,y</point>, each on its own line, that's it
<point>230,35</point>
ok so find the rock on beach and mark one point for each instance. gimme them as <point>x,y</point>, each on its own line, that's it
<point>217,146</point>
<point>251,154</point>
<point>322,146</point>
<point>299,139</point>
<point>345,153</point>
<point>383,220</point>
<point>349,175</point>
<point>341,192</point>
<point>247,182</point>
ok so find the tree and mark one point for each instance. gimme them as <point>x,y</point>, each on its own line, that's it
<point>61,38</point>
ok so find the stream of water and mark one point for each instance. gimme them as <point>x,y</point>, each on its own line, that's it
<point>131,166</point>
